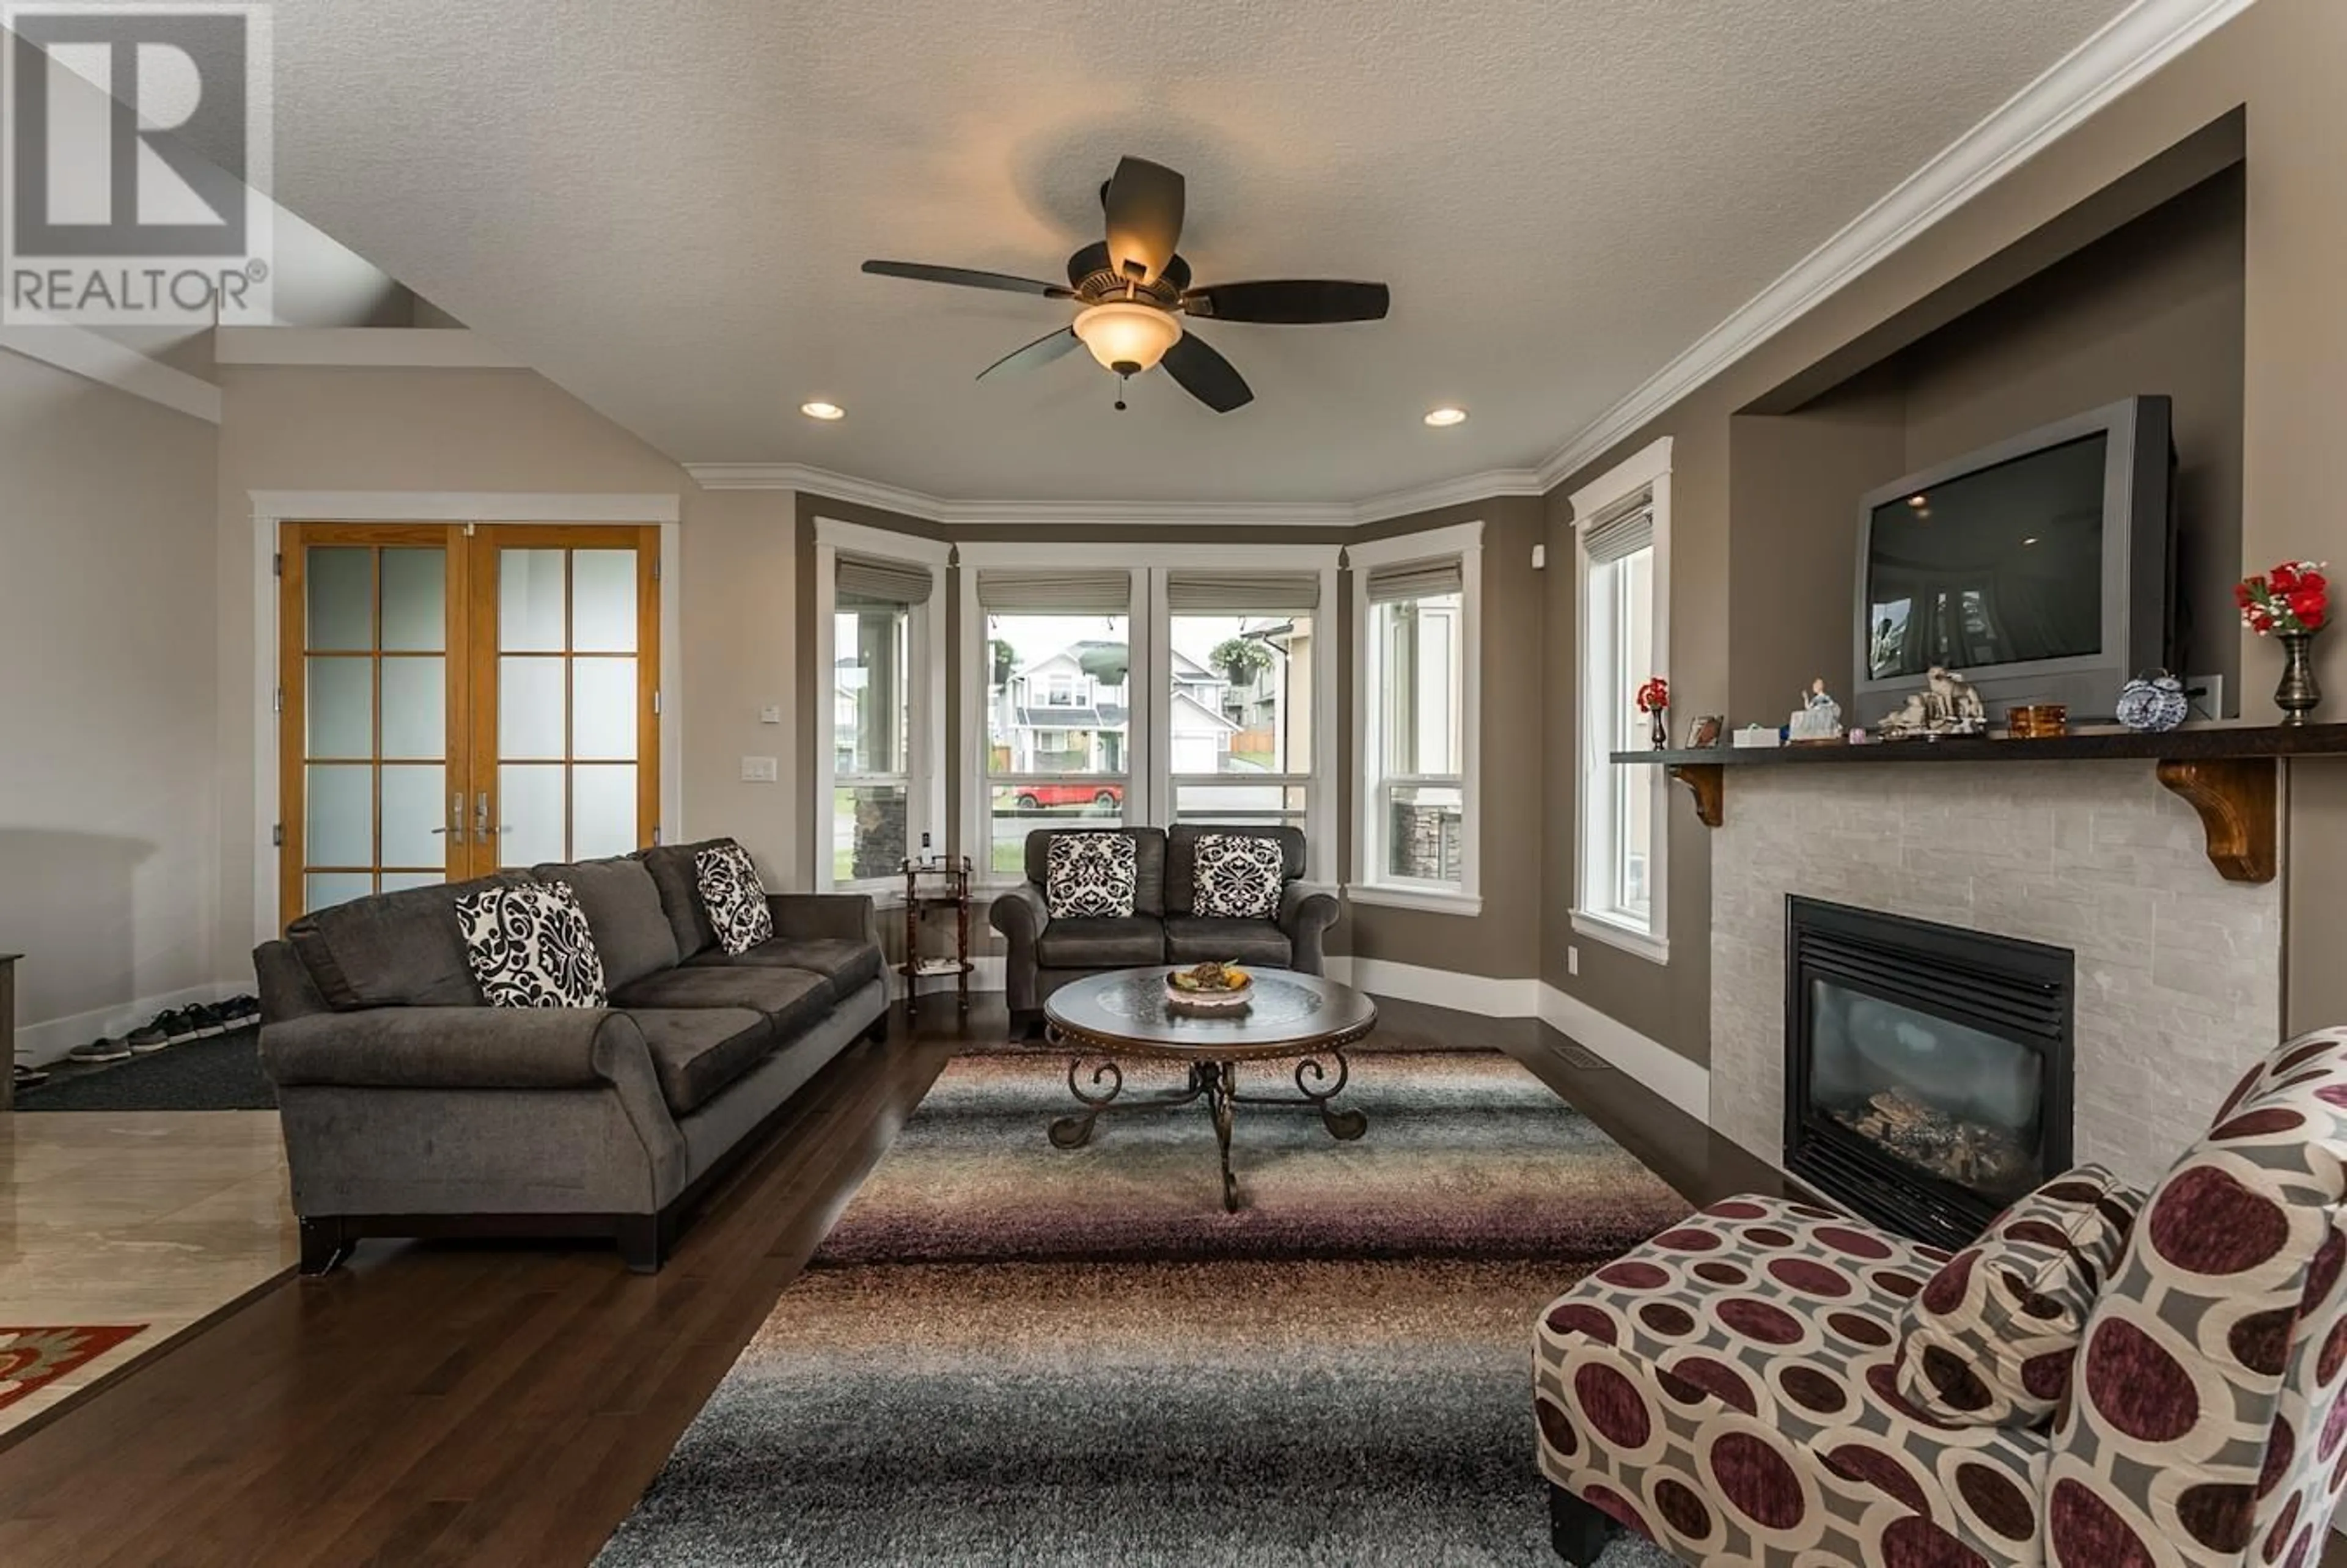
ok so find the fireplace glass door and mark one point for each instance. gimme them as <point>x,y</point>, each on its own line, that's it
<point>1951,1102</point>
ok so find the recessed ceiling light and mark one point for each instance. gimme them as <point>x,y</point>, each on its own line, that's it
<point>823,410</point>
<point>1918,501</point>
<point>1441,418</point>
<point>2031,540</point>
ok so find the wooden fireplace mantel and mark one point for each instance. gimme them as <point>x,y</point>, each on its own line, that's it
<point>2228,774</point>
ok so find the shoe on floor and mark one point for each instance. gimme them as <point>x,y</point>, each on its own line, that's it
<point>22,1077</point>
<point>242,1012</point>
<point>147,1038</point>
<point>177,1025</point>
<point>105,1047</point>
<point>206,1018</point>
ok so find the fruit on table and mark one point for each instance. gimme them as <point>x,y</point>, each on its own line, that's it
<point>1209,977</point>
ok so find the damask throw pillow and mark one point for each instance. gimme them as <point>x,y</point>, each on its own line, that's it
<point>735,896</point>
<point>1237,876</point>
<point>1990,1340</point>
<point>529,947</point>
<point>1091,876</point>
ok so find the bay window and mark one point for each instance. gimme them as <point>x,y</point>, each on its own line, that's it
<point>1621,561</point>
<point>1126,683</point>
<point>1416,600</point>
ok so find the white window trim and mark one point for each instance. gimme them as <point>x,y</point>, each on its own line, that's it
<point>1148,782</point>
<point>1464,540</point>
<point>1650,466</point>
<point>925,798</point>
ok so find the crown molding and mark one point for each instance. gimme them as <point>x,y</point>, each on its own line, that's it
<point>2128,49</point>
<point>948,511</point>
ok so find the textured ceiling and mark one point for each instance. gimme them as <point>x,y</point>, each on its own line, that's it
<point>663,206</point>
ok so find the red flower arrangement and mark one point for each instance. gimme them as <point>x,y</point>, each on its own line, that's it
<point>2294,597</point>
<point>1654,696</point>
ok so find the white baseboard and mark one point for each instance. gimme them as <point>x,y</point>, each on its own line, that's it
<point>40,1044</point>
<point>1685,1085</point>
<point>1478,994</point>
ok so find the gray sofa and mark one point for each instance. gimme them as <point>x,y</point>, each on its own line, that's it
<point>1046,954</point>
<point>410,1108</point>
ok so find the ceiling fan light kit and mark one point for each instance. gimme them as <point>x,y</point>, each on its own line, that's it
<point>1134,289</point>
<point>1126,336</point>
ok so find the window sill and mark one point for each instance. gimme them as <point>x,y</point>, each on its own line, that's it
<point>1629,939</point>
<point>1425,900</point>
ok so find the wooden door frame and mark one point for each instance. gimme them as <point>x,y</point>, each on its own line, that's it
<point>481,624</point>
<point>274,509</point>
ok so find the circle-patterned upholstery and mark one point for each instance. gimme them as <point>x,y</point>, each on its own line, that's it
<point>1730,1390</point>
<point>2204,1424</point>
<point>1715,1391</point>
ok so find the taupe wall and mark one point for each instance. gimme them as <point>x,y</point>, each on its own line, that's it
<point>111,792</point>
<point>2279,60</point>
<point>743,580</point>
<point>304,428</point>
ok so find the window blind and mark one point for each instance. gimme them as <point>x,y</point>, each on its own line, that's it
<point>1622,530</point>
<point>863,581</point>
<point>1416,579</point>
<point>1253,592</point>
<point>1048,592</point>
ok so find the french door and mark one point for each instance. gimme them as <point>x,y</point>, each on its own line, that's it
<point>456,699</point>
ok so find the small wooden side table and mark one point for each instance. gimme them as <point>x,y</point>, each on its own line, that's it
<point>939,883</point>
<point>8,1029</point>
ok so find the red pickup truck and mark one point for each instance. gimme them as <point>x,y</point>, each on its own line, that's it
<point>1043,796</point>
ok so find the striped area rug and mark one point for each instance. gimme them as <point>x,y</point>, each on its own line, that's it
<point>1007,1353</point>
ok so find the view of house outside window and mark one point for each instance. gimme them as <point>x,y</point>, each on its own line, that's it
<point>872,740</point>
<point>1057,718</point>
<point>1240,717</point>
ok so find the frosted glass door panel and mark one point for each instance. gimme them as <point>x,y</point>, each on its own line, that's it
<point>602,810</point>
<point>603,708</point>
<point>530,601</point>
<point>414,602</point>
<point>342,708</point>
<point>324,889</point>
<point>415,811</point>
<point>530,717</point>
<point>340,609</point>
<point>341,823</point>
<point>532,826</point>
<point>603,601</point>
<point>415,707</point>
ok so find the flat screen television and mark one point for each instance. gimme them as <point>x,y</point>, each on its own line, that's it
<point>2042,568</point>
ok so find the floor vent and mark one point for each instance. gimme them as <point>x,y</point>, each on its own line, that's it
<point>1581,1057</point>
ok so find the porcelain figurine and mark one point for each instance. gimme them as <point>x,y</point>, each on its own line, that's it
<point>1947,705</point>
<point>1818,718</point>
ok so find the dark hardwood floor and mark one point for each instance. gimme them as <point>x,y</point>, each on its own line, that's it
<point>442,1403</point>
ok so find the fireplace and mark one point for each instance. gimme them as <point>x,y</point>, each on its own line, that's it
<point>1927,1068</point>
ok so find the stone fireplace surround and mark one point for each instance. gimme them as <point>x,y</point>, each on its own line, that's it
<point>2179,972</point>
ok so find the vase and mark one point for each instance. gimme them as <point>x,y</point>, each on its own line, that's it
<point>2300,693</point>
<point>1658,729</point>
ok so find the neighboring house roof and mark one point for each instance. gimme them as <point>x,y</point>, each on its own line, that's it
<point>1214,720</point>
<point>1043,716</point>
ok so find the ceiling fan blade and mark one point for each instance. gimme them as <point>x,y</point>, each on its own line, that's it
<point>1205,374</point>
<point>1144,217</point>
<point>1042,351</point>
<point>968,277</point>
<point>1290,301</point>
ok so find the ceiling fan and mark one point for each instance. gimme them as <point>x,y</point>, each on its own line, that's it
<point>1134,290</point>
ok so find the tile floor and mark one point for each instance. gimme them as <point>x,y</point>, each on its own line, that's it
<point>159,1217</point>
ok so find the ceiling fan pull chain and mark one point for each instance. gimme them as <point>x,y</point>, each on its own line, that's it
<point>1121,377</point>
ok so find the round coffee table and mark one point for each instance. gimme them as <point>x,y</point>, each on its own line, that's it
<point>1125,1014</point>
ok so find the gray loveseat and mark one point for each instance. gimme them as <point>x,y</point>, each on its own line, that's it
<point>410,1108</point>
<point>1046,954</point>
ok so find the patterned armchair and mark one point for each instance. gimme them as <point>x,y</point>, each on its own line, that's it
<point>1730,1389</point>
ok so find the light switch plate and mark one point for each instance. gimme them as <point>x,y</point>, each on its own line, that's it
<point>772,713</point>
<point>759,770</point>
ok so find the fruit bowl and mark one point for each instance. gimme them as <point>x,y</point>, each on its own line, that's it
<point>1209,988</point>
